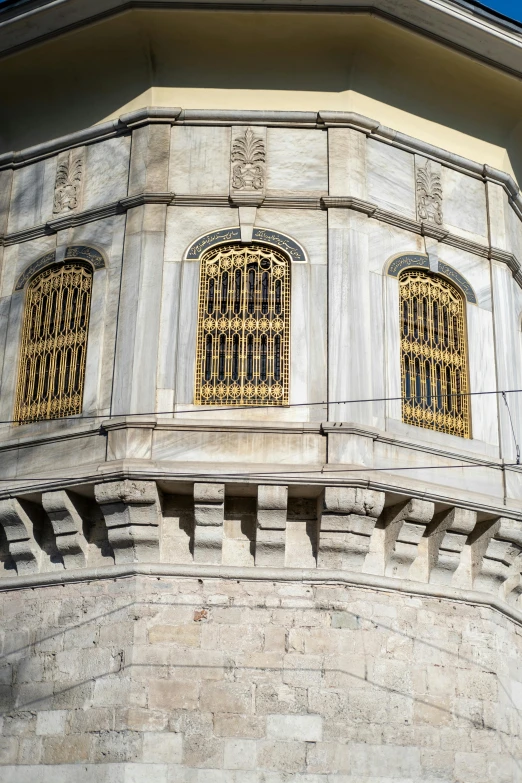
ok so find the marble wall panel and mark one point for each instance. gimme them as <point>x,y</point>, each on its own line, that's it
<point>497,205</point>
<point>199,160</point>
<point>391,178</point>
<point>185,224</point>
<point>238,448</point>
<point>18,257</point>
<point>474,268</point>
<point>188,317</point>
<point>306,226</point>
<point>52,455</point>
<point>427,470</point>
<point>513,232</point>
<point>138,325</point>
<point>169,325</point>
<point>6,180</point>
<point>106,172</point>
<point>95,357</point>
<point>318,345</point>
<point>300,335</point>
<point>393,350</point>
<point>386,242</point>
<point>10,266</point>
<point>32,195</point>
<point>347,164</point>
<point>482,375</point>
<point>149,164</point>
<point>10,365</point>
<point>351,362</point>
<point>508,355</point>
<point>297,162</point>
<point>5,307</point>
<point>377,385</point>
<point>464,205</point>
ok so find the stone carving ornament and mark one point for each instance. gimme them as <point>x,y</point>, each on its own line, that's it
<point>248,159</point>
<point>68,184</point>
<point>429,194</point>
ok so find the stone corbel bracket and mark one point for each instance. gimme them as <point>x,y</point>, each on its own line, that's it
<point>347,521</point>
<point>272,504</point>
<point>132,514</point>
<point>21,542</point>
<point>396,538</point>
<point>67,526</point>
<point>209,512</point>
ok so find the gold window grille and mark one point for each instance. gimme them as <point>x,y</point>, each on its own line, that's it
<point>433,354</point>
<point>54,343</point>
<point>243,327</point>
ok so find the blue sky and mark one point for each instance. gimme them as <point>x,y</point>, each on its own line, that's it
<point>512,8</point>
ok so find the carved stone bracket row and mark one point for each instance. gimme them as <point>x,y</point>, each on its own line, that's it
<point>345,528</point>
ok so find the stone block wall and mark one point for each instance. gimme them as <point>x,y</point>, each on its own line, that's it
<point>186,680</point>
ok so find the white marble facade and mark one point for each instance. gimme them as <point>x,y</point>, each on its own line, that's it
<point>349,199</point>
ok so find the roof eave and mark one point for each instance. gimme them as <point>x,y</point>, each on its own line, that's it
<point>463,25</point>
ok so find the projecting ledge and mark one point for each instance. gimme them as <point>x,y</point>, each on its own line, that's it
<point>260,574</point>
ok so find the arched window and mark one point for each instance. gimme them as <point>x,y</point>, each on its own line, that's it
<point>244,319</point>
<point>433,354</point>
<point>54,343</point>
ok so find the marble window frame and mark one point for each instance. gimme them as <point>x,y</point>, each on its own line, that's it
<point>393,387</point>
<point>301,305</point>
<point>92,391</point>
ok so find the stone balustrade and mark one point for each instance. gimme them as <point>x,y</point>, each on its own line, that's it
<point>339,529</point>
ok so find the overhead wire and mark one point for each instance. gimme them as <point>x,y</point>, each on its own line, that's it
<point>325,470</point>
<point>232,408</point>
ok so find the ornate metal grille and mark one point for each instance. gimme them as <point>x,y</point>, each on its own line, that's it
<point>243,327</point>
<point>433,354</point>
<point>54,343</point>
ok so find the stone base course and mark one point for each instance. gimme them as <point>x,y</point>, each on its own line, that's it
<point>180,680</point>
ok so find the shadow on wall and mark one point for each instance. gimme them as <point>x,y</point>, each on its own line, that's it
<point>82,77</point>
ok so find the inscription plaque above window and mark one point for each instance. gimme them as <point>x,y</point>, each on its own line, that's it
<point>243,327</point>
<point>433,354</point>
<point>54,343</point>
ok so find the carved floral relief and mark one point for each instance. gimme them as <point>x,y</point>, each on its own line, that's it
<point>68,183</point>
<point>429,194</point>
<point>248,161</point>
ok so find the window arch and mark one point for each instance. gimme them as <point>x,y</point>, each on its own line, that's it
<point>434,368</point>
<point>243,327</point>
<point>54,343</point>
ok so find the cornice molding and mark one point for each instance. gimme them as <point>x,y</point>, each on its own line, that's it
<point>294,119</point>
<point>272,202</point>
<point>320,120</point>
<point>330,474</point>
<point>310,576</point>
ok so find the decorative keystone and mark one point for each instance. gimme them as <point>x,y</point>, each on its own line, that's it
<point>209,513</point>
<point>18,529</point>
<point>132,514</point>
<point>347,522</point>
<point>272,503</point>
<point>396,536</point>
<point>67,527</point>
